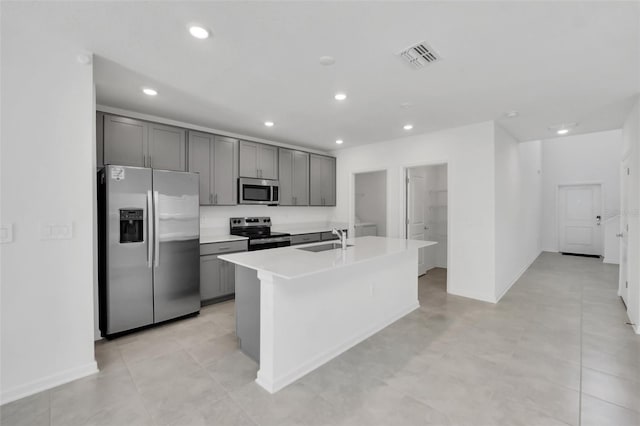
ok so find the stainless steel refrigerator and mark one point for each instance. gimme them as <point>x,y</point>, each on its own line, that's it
<point>149,231</point>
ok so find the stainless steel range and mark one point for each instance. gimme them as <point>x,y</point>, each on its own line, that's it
<point>258,230</point>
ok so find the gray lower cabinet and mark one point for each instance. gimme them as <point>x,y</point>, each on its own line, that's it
<point>214,158</point>
<point>130,142</point>
<point>322,180</point>
<point>294,177</point>
<point>258,160</point>
<point>217,277</point>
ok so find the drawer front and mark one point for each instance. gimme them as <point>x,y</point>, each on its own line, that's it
<point>304,238</point>
<point>226,247</point>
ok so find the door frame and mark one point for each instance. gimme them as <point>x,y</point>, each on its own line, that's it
<point>405,208</point>
<point>352,198</point>
<point>602,209</point>
<point>623,290</point>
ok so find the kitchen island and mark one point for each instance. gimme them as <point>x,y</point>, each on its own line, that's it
<point>297,309</point>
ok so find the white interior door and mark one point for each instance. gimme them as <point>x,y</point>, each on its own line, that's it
<point>579,219</point>
<point>624,230</point>
<point>416,220</point>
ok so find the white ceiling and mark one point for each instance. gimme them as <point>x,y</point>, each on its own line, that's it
<point>554,62</point>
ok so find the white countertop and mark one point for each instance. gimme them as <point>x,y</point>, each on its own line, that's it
<point>207,239</point>
<point>290,262</point>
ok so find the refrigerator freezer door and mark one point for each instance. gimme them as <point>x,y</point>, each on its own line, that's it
<point>177,255</point>
<point>129,279</point>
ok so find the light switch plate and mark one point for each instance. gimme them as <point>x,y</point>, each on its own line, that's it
<point>6,233</point>
<point>56,231</point>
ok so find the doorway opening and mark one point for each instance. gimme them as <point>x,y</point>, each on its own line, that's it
<point>370,213</point>
<point>580,219</point>
<point>427,216</point>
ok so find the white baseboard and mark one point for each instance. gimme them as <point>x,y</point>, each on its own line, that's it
<point>611,261</point>
<point>517,277</point>
<point>479,297</point>
<point>550,250</point>
<point>48,382</point>
<point>322,358</point>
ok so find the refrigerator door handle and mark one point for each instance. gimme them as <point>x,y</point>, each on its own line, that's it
<point>156,216</point>
<point>149,230</point>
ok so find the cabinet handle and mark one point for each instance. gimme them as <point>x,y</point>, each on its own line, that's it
<point>144,161</point>
<point>215,199</point>
<point>210,199</point>
<point>295,201</point>
<point>149,160</point>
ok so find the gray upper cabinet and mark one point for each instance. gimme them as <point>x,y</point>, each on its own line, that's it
<point>215,159</point>
<point>258,160</point>
<point>200,154</point>
<point>322,180</point>
<point>125,141</point>
<point>130,142</point>
<point>294,177</point>
<point>225,173</point>
<point>167,147</point>
<point>99,139</point>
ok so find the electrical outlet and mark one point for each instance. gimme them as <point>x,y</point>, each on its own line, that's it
<point>56,231</point>
<point>6,233</point>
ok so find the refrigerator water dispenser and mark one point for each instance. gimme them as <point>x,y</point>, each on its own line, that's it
<point>131,226</point>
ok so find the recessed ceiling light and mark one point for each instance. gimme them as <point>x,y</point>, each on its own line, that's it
<point>406,105</point>
<point>198,32</point>
<point>149,91</point>
<point>269,123</point>
<point>511,114</point>
<point>408,126</point>
<point>327,60</point>
<point>339,141</point>
<point>562,128</point>
<point>340,96</point>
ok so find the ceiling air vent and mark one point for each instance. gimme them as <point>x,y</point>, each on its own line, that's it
<point>419,55</point>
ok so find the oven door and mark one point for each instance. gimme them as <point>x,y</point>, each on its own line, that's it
<point>268,243</point>
<point>258,191</point>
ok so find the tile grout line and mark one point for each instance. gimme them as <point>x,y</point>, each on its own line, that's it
<point>581,350</point>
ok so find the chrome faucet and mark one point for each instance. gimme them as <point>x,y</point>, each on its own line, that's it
<point>342,235</point>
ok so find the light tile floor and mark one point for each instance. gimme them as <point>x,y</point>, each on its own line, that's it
<point>554,351</point>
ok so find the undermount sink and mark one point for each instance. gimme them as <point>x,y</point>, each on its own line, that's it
<point>324,247</point>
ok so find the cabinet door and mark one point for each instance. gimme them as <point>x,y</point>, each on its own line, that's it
<point>267,162</point>
<point>300,178</point>
<point>210,273</point>
<point>329,181</point>
<point>315,180</point>
<point>99,139</point>
<point>125,141</point>
<point>248,159</point>
<point>228,277</point>
<point>225,180</point>
<point>200,154</point>
<point>167,147</point>
<point>285,171</point>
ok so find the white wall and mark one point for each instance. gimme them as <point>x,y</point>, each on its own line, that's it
<point>469,153</point>
<point>371,199</point>
<point>47,176</point>
<point>588,158</point>
<point>518,201</point>
<point>631,147</point>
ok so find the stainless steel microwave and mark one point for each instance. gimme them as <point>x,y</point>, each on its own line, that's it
<point>258,191</point>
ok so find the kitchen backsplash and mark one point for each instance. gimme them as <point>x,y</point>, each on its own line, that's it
<point>215,219</point>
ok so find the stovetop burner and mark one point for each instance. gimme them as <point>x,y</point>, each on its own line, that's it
<point>258,230</point>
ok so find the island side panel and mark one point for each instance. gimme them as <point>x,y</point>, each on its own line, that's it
<point>306,322</point>
<point>248,311</point>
